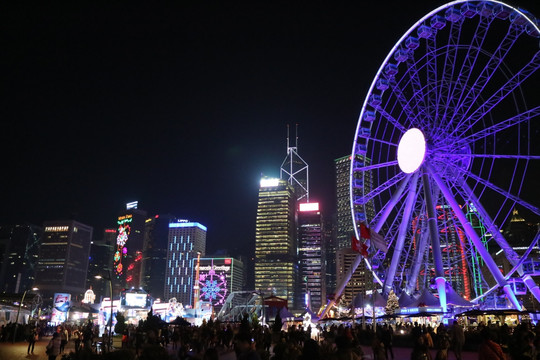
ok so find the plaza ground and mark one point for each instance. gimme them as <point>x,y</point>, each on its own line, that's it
<point>17,351</point>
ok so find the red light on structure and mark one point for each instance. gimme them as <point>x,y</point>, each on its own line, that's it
<point>130,267</point>
<point>227,261</point>
<point>110,230</point>
<point>157,216</point>
<point>129,278</point>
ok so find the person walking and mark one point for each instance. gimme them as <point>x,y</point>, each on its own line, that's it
<point>458,339</point>
<point>53,347</point>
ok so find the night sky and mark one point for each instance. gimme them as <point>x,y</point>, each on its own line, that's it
<point>181,107</point>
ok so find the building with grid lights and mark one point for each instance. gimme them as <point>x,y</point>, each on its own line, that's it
<point>276,267</point>
<point>63,258</point>
<point>186,239</point>
<point>310,253</point>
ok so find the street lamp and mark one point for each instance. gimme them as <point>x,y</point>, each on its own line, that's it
<point>109,278</point>
<point>18,312</point>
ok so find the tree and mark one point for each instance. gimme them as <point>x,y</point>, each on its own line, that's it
<point>392,303</point>
<point>120,326</point>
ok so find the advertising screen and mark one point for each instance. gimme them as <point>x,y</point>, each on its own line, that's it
<point>214,279</point>
<point>61,304</point>
<point>136,300</point>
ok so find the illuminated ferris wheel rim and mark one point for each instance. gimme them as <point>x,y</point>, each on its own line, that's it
<point>414,27</point>
<point>429,156</point>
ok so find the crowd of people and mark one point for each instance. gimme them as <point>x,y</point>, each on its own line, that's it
<point>251,341</point>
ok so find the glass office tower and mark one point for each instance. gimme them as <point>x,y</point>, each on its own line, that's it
<point>276,267</point>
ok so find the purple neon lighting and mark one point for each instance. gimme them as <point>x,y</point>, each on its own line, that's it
<point>452,93</point>
<point>441,290</point>
<point>473,236</point>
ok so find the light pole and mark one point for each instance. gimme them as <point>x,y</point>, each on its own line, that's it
<point>109,278</point>
<point>18,312</point>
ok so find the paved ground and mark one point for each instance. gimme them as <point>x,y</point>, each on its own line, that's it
<point>17,351</point>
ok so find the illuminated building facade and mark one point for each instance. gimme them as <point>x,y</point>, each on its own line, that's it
<point>154,264</point>
<point>310,253</point>
<point>344,224</point>
<point>345,227</point>
<point>276,267</point>
<point>219,277</point>
<point>63,258</point>
<point>360,281</point>
<point>127,258</point>
<point>19,250</point>
<point>100,263</point>
<point>186,239</point>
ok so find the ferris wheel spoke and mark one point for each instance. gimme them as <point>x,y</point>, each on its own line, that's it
<point>503,192</point>
<point>378,221</point>
<point>469,62</point>
<point>416,84</point>
<point>359,167</point>
<point>450,64</point>
<point>500,126</point>
<point>380,141</point>
<point>491,156</point>
<point>494,62</point>
<point>431,71</point>
<point>362,200</point>
<point>410,114</point>
<point>465,125</point>
<point>390,118</point>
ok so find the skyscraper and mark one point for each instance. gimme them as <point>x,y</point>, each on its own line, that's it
<point>19,250</point>
<point>154,263</point>
<point>100,263</point>
<point>276,267</point>
<point>310,252</point>
<point>63,258</point>
<point>345,226</point>
<point>186,239</point>
<point>127,259</point>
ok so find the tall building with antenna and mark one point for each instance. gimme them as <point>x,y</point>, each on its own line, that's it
<point>295,170</point>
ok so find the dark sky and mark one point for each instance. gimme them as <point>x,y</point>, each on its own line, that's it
<point>181,107</point>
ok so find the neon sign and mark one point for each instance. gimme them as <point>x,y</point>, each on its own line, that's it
<point>124,229</point>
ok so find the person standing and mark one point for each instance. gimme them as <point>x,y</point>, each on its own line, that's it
<point>458,339</point>
<point>489,349</point>
<point>32,338</point>
<point>387,336</point>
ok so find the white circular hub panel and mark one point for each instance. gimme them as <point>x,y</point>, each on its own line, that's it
<point>411,150</point>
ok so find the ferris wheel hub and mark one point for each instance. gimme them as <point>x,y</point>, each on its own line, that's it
<point>411,150</point>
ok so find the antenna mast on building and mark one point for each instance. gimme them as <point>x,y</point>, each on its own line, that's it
<point>295,170</point>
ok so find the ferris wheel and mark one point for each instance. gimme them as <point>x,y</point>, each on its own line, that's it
<point>446,148</point>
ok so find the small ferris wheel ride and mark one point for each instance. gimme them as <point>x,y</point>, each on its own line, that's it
<point>446,147</point>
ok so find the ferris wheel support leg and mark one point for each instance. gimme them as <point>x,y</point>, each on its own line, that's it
<point>342,285</point>
<point>533,287</point>
<point>435,242</point>
<point>400,242</point>
<point>473,236</point>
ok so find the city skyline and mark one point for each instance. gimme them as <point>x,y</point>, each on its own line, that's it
<point>182,108</point>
